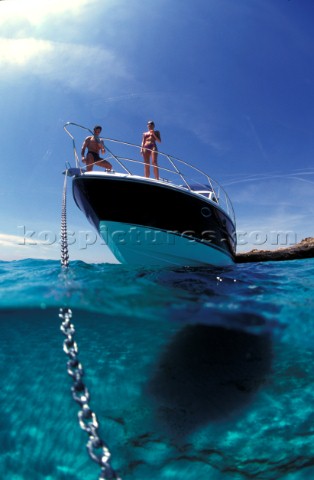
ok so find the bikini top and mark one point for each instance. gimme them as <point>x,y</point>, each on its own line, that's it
<point>149,138</point>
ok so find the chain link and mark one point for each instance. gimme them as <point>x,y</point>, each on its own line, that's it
<point>96,447</point>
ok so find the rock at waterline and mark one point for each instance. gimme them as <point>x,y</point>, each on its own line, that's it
<point>303,249</point>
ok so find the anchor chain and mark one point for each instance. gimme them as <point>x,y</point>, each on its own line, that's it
<point>64,233</point>
<point>96,447</point>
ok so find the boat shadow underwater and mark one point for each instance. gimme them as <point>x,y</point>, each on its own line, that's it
<point>207,373</point>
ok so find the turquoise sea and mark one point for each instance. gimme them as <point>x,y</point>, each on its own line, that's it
<point>193,373</point>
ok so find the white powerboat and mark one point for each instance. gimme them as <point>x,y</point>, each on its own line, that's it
<point>185,218</point>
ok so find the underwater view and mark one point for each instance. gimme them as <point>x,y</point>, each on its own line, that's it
<point>194,373</point>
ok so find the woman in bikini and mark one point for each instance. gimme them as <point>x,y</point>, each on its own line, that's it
<point>149,149</point>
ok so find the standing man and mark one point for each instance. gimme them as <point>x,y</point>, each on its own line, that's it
<point>94,145</point>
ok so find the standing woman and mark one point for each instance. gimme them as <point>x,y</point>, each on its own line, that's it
<point>149,149</point>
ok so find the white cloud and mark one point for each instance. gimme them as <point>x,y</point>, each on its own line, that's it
<point>8,240</point>
<point>23,51</point>
<point>36,11</point>
<point>62,62</point>
<point>15,247</point>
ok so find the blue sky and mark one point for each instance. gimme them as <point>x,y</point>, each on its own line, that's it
<point>230,85</point>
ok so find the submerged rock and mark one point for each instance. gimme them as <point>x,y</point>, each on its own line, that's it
<point>303,249</point>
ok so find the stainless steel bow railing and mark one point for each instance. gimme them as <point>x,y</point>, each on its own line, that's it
<point>126,159</point>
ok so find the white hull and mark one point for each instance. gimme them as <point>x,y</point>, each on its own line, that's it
<point>138,245</point>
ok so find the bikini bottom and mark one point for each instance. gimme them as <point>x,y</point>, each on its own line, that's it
<point>150,146</point>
